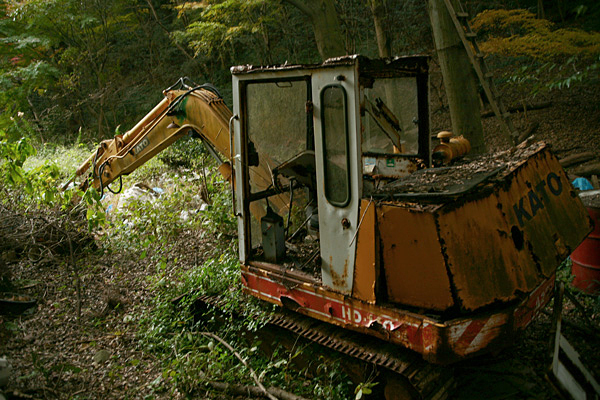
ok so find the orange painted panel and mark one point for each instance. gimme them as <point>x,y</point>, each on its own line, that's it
<point>547,210</point>
<point>484,265</point>
<point>505,241</point>
<point>365,270</point>
<point>413,263</point>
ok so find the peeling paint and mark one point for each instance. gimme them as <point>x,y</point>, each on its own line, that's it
<point>340,280</point>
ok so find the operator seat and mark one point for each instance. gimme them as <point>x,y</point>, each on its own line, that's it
<point>301,168</point>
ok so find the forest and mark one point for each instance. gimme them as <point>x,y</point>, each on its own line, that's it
<point>114,278</point>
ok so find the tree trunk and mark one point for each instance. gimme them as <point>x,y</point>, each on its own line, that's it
<point>326,25</point>
<point>541,14</point>
<point>459,78</point>
<point>384,44</point>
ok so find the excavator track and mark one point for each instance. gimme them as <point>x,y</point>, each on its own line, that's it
<point>407,375</point>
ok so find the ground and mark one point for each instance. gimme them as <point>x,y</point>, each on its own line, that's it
<point>57,355</point>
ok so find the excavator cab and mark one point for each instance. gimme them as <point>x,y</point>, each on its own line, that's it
<point>327,135</point>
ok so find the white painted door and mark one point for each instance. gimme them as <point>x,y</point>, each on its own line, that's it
<point>337,162</point>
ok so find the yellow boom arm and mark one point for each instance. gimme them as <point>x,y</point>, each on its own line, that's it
<point>195,110</point>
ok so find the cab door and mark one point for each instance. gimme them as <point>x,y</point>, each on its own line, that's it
<point>337,162</point>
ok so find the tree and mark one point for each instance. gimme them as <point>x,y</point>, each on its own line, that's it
<point>459,78</point>
<point>379,11</point>
<point>326,25</point>
<point>89,64</point>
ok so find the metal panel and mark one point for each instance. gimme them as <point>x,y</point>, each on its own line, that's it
<point>413,262</point>
<point>554,226</point>
<point>437,341</point>
<point>337,225</point>
<point>366,273</point>
<point>506,241</point>
<point>238,189</point>
<point>482,259</point>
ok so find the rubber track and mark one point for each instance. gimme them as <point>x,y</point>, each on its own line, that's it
<point>431,382</point>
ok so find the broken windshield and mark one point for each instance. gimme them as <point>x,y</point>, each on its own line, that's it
<point>390,120</point>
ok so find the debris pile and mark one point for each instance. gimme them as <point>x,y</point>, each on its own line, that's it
<point>461,175</point>
<point>39,235</point>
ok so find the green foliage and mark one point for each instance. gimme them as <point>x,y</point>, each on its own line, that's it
<point>554,76</point>
<point>189,358</point>
<point>37,184</point>
<point>40,185</point>
<point>69,64</point>
<point>154,223</point>
<point>550,58</point>
<point>519,33</point>
<point>187,152</point>
<point>229,30</point>
<point>14,155</point>
<point>365,388</point>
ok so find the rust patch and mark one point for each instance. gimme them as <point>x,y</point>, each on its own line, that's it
<point>339,280</point>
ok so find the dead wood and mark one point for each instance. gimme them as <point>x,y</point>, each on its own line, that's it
<point>575,325</point>
<point>243,390</point>
<point>239,357</point>
<point>17,394</point>
<point>43,235</point>
<point>587,170</point>
<point>582,310</point>
<point>521,108</point>
<point>578,158</point>
<point>532,128</point>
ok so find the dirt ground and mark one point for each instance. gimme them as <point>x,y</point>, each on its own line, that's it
<point>56,355</point>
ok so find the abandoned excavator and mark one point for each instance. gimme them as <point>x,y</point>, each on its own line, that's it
<point>347,215</point>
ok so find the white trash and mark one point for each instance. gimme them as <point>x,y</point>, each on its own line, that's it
<point>139,192</point>
<point>5,371</point>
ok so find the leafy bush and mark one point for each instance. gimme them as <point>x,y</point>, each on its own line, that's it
<point>519,33</point>
<point>550,58</point>
<point>40,184</point>
<point>190,358</point>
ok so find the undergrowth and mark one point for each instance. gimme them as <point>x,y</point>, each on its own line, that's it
<point>548,58</point>
<point>171,328</point>
<point>193,198</point>
<point>181,202</point>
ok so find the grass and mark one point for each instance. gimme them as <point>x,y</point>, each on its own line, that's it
<point>67,159</point>
<point>150,228</point>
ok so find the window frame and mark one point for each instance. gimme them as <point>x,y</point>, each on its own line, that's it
<point>347,199</point>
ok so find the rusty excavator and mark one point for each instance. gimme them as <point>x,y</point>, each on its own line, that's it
<point>347,215</point>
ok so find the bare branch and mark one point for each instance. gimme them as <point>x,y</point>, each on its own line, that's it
<point>239,357</point>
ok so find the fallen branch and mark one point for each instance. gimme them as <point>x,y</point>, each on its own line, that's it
<point>592,169</point>
<point>582,309</point>
<point>532,128</point>
<point>17,394</point>
<point>244,390</point>
<point>522,107</point>
<point>572,324</point>
<point>239,357</point>
<point>578,158</point>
